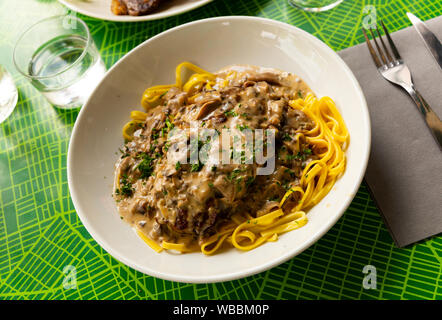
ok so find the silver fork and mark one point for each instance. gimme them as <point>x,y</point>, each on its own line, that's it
<point>392,67</point>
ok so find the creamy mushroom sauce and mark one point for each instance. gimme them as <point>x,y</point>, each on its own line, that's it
<point>184,203</point>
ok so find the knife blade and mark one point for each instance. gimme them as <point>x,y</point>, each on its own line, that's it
<point>431,41</point>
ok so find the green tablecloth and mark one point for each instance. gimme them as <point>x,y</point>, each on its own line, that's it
<point>40,232</point>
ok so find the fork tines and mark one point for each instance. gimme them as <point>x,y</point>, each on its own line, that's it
<point>384,52</point>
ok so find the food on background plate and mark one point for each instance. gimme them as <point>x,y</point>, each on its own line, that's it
<point>134,7</point>
<point>207,206</point>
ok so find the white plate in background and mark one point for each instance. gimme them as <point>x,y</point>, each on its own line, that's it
<point>101,9</point>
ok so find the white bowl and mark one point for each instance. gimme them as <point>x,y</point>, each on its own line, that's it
<point>101,9</point>
<point>211,44</point>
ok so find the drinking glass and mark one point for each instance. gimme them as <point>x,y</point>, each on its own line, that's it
<point>59,57</point>
<point>315,5</point>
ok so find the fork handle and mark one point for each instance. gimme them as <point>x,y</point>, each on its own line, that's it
<point>431,118</point>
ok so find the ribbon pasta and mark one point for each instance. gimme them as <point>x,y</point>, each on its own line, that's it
<point>328,140</point>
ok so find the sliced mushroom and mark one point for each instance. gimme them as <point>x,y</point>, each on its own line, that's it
<point>140,207</point>
<point>268,207</point>
<point>293,146</point>
<point>207,108</point>
<point>226,188</point>
<point>269,77</point>
<point>275,110</point>
<point>220,118</point>
<point>181,220</point>
<point>249,83</point>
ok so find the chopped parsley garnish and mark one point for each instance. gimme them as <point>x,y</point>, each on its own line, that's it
<point>231,113</point>
<point>286,185</point>
<point>286,137</point>
<point>124,154</point>
<point>155,134</point>
<point>238,184</point>
<point>233,174</point>
<point>300,155</point>
<point>169,124</point>
<point>290,172</point>
<point>125,187</point>
<point>243,127</point>
<point>145,166</point>
<point>249,181</point>
<point>178,166</point>
<point>246,115</point>
<point>300,94</point>
<point>196,167</point>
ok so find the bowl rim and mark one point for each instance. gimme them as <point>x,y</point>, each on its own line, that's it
<point>263,266</point>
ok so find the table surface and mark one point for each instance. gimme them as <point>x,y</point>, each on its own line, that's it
<point>40,233</point>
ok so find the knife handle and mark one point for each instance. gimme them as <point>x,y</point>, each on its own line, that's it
<point>431,118</point>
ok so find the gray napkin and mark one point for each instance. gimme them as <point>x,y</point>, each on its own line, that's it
<point>404,172</point>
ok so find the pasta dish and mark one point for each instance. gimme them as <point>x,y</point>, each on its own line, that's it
<point>227,159</point>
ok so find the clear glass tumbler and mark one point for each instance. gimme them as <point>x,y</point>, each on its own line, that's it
<point>60,59</point>
<point>315,5</point>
